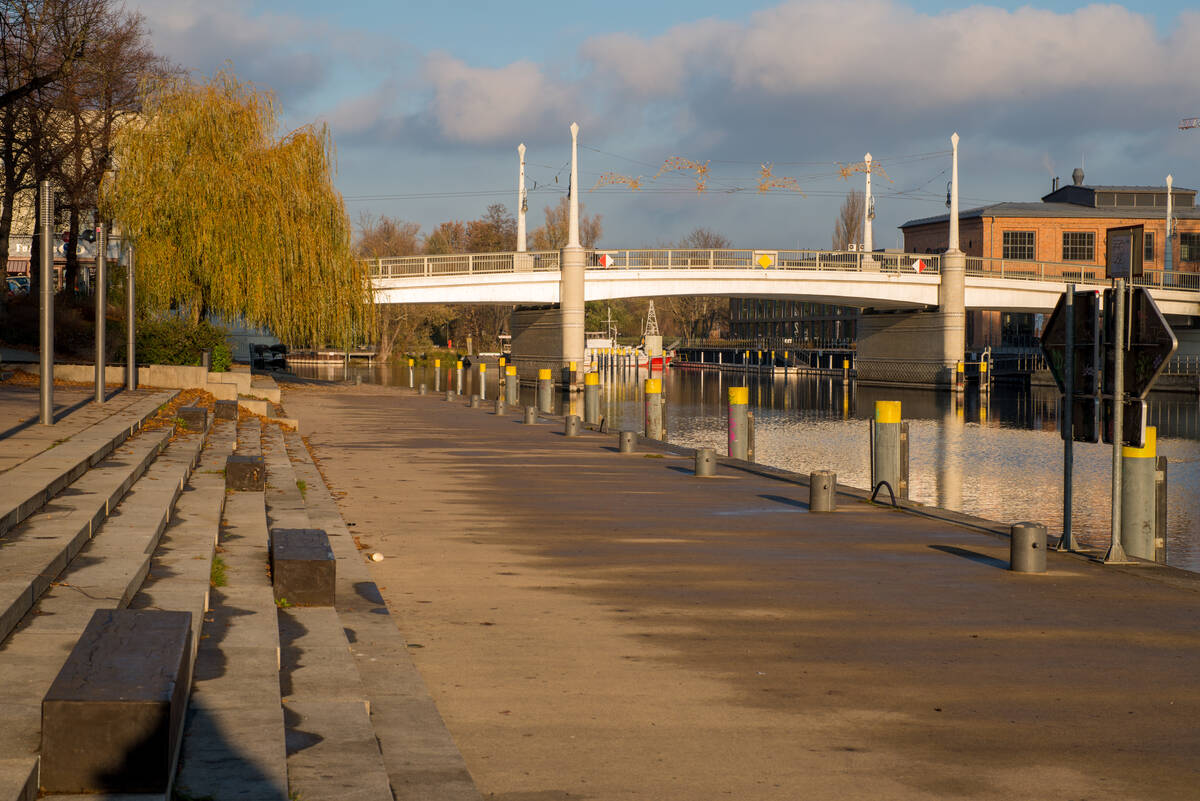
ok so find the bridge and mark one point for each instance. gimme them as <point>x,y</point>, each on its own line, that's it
<point>884,281</point>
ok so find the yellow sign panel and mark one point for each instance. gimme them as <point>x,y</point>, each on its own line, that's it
<point>765,261</point>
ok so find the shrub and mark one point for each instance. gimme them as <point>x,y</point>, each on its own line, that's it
<point>172,340</point>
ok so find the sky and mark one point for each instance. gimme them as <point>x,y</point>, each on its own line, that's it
<point>427,102</point>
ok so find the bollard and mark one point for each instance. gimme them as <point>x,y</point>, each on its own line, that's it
<point>627,442</point>
<point>449,394</point>
<point>1027,548</point>
<point>437,375</point>
<point>750,436</point>
<point>845,371</point>
<point>410,373</point>
<point>591,398</point>
<point>1139,498</point>
<point>512,386</point>
<point>959,377</point>
<point>530,415</point>
<point>654,416</point>
<point>500,410</point>
<point>482,380</point>
<point>571,429</point>
<point>984,381</point>
<point>706,463</point>
<point>458,377</point>
<point>889,448</point>
<point>822,491</point>
<point>474,402</point>
<point>545,390</point>
<point>358,380</point>
<point>739,405</point>
<point>568,377</point>
<point>423,389</point>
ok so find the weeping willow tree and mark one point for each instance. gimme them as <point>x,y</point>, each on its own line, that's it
<point>229,220</point>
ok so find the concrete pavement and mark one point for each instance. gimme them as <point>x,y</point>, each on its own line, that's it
<point>601,626</point>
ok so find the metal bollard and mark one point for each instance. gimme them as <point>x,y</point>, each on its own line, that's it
<point>654,421</point>
<point>545,391</point>
<point>500,410</point>
<point>458,377</point>
<point>437,375</point>
<point>822,491</point>
<point>474,402</point>
<point>889,448</point>
<point>591,398</point>
<point>1139,498</point>
<point>627,442</point>
<point>482,380</point>
<point>739,405</point>
<point>706,463</point>
<point>531,416</point>
<point>422,390</point>
<point>358,380</point>
<point>571,428</point>
<point>750,449</point>
<point>512,386</point>
<point>1027,548</point>
<point>410,373</point>
<point>449,394</point>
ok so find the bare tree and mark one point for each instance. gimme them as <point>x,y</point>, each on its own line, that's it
<point>553,235</point>
<point>699,316</point>
<point>848,226</point>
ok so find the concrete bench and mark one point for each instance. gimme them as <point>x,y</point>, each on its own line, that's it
<point>245,473</point>
<point>112,719</point>
<point>303,569</point>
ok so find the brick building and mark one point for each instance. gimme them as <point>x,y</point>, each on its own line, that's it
<point>1066,229</point>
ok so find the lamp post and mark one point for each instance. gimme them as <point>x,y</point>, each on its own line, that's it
<point>1168,250</point>
<point>522,204</point>
<point>46,305</point>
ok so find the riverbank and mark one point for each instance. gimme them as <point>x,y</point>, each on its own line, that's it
<point>602,626</point>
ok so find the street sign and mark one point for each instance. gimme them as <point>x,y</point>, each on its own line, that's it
<point>764,259</point>
<point>1085,419</point>
<point>1087,344</point>
<point>1149,343</point>
<point>1124,251</point>
<point>919,265</point>
<point>1133,423</point>
<point>606,260</point>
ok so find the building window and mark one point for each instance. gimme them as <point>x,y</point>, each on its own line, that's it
<point>1148,246</point>
<point>1079,246</point>
<point>1018,245</point>
<point>1189,247</point>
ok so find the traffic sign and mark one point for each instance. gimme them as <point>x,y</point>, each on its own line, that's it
<point>1087,344</point>
<point>1133,423</point>
<point>606,260</point>
<point>1149,343</point>
<point>765,260</point>
<point>1085,419</point>
<point>1123,247</point>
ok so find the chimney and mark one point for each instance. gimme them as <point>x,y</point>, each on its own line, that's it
<point>1077,176</point>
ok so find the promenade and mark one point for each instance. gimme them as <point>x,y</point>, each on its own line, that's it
<point>605,626</point>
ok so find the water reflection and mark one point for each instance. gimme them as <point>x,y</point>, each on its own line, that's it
<point>996,456</point>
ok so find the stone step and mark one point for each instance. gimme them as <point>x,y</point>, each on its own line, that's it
<point>285,499</point>
<point>249,439</point>
<point>419,755</point>
<point>37,550</point>
<point>105,574</point>
<point>233,742</point>
<point>29,485</point>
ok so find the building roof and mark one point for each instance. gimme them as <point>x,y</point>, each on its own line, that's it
<point>1043,209</point>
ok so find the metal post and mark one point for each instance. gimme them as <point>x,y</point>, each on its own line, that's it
<point>46,308</point>
<point>531,416</point>
<point>887,449</point>
<point>101,306</point>
<point>1139,506</point>
<point>706,463</point>
<point>131,377</point>
<point>1027,548</point>
<point>458,375</point>
<point>591,398</point>
<point>739,404</point>
<point>482,381</point>
<point>1160,516</point>
<point>437,375</point>
<point>1067,541</point>
<point>545,391</point>
<point>822,491</point>
<point>654,416</point>
<point>410,373</point>
<point>750,445</point>
<point>571,425</point>
<point>1116,552</point>
<point>512,385</point>
<point>627,442</point>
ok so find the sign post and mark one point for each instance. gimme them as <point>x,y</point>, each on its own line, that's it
<point>1116,551</point>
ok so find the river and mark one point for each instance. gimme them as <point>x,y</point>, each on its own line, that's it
<point>997,457</point>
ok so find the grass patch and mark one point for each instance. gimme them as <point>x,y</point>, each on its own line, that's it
<point>302,485</point>
<point>216,576</point>
<point>283,603</point>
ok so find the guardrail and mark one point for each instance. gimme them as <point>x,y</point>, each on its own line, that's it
<point>725,258</point>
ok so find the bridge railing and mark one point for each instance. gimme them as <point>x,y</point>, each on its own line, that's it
<point>464,264</point>
<point>1073,272</point>
<point>850,261</point>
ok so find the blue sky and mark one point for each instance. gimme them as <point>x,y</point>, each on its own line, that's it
<point>427,102</point>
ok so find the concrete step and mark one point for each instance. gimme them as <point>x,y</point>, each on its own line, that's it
<point>249,440</point>
<point>285,500</point>
<point>233,742</point>
<point>29,485</point>
<point>106,573</point>
<point>419,755</point>
<point>37,550</point>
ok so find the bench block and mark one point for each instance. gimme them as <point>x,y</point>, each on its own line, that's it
<point>245,473</point>
<point>226,410</point>
<point>303,569</point>
<point>112,719</point>
<point>195,418</point>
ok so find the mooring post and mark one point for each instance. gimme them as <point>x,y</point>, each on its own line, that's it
<point>889,448</point>
<point>627,442</point>
<point>512,385</point>
<point>591,398</point>
<point>739,405</point>
<point>822,491</point>
<point>1027,548</point>
<point>458,376</point>
<point>706,463</point>
<point>410,373</point>
<point>531,415</point>
<point>1139,505</point>
<point>500,409</point>
<point>437,375</point>
<point>571,427</point>
<point>545,391</point>
<point>654,415</point>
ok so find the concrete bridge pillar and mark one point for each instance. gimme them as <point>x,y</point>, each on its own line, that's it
<point>951,289</point>
<point>572,267</point>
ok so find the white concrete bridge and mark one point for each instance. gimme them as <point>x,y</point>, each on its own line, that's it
<point>879,280</point>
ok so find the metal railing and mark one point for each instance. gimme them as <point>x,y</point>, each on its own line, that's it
<point>724,258</point>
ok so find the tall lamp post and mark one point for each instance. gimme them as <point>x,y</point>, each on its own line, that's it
<point>46,305</point>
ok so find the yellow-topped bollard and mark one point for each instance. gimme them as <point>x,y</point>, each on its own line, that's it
<point>512,385</point>
<point>654,414</point>
<point>458,376</point>
<point>545,391</point>
<point>437,375</point>
<point>410,373</point>
<point>1141,517</point>
<point>591,398</point>
<point>739,422</point>
<point>889,449</point>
